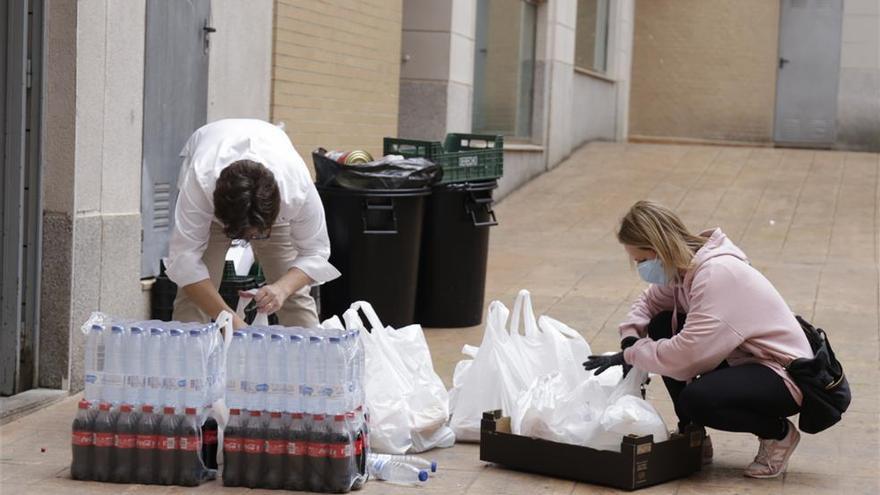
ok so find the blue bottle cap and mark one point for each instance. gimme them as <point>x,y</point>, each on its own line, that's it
<point>277,337</point>
<point>137,330</point>
<point>423,475</point>
<point>315,338</point>
<point>99,328</point>
<point>257,335</point>
<point>157,331</point>
<point>296,338</point>
<point>238,334</point>
<point>175,332</point>
<point>433,466</point>
<point>117,329</point>
<point>195,333</point>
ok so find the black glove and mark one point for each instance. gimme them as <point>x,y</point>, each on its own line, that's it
<point>602,363</point>
<point>627,342</point>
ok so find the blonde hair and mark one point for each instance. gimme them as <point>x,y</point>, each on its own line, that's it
<point>649,225</point>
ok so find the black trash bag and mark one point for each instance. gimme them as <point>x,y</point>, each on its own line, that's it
<point>385,173</point>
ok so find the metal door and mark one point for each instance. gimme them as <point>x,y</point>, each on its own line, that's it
<point>175,105</point>
<point>20,206</point>
<point>809,67</point>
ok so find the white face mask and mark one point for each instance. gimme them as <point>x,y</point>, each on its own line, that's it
<point>652,272</point>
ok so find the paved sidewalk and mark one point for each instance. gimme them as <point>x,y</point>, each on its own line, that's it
<point>808,220</point>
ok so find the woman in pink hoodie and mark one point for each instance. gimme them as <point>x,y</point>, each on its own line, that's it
<point>716,330</point>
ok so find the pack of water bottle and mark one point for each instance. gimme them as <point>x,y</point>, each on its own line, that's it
<point>149,387</point>
<point>297,419</point>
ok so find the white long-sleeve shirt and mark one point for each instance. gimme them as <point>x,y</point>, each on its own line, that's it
<point>211,149</point>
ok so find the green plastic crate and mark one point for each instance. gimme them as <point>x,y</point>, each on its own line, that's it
<point>463,157</point>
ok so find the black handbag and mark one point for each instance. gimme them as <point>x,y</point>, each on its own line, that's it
<point>822,381</point>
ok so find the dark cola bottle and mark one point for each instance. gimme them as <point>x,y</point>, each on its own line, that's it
<point>276,450</point>
<point>316,464</point>
<point>297,450</point>
<point>233,455</point>
<point>125,443</point>
<point>147,445</point>
<point>209,443</point>
<point>191,470</point>
<point>102,468</point>
<point>82,442</point>
<point>340,457</point>
<point>254,450</point>
<point>359,468</point>
<point>166,469</point>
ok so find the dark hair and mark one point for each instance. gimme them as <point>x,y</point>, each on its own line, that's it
<point>246,197</point>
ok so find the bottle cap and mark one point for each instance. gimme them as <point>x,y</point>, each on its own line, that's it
<point>238,334</point>
<point>175,332</point>
<point>157,331</point>
<point>105,406</point>
<point>296,338</point>
<point>318,417</point>
<point>275,414</point>
<point>84,404</point>
<point>433,466</point>
<point>257,335</point>
<point>137,330</point>
<point>195,333</point>
<point>117,329</point>
<point>147,408</point>
<point>334,340</point>
<point>339,417</point>
<point>235,412</point>
<point>296,415</point>
<point>255,414</point>
<point>125,408</point>
<point>190,410</point>
<point>315,338</point>
<point>277,336</point>
<point>98,328</point>
<point>168,410</point>
<point>423,475</point>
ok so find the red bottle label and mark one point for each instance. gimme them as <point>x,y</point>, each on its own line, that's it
<point>104,439</point>
<point>83,438</point>
<point>209,437</point>
<point>167,443</point>
<point>300,447</point>
<point>125,441</point>
<point>339,450</point>
<point>190,443</point>
<point>276,447</point>
<point>232,444</point>
<point>254,446</point>
<point>316,449</point>
<point>147,442</point>
<point>359,446</point>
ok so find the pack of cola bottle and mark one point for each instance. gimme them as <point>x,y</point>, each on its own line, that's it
<point>296,418</point>
<point>146,415</point>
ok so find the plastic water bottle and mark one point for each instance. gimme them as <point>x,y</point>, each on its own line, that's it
<point>174,381</point>
<point>214,343</point>
<point>315,374</point>
<point>277,373</point>
<point>195,363</point>
<point>257,372</point>
<point>394,471</point>
<point>94,364</point>
<point>413,460</point>
<point>294,378</point>
<point>359,369</point>
<point>236,379</point>
<point>154,353</point>
<point>135,366</point>
<point>114,375</point>
<point>335,378</point>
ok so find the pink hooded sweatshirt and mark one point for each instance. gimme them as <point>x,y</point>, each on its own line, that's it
<point>733,313</point>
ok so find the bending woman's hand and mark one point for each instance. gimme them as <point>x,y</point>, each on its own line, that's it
<point>602,363</point>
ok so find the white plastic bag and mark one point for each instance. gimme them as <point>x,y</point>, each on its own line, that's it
<point>508,361</point>
<point>408,403</point>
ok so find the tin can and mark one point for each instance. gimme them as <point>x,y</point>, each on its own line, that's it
<point>356,157</point>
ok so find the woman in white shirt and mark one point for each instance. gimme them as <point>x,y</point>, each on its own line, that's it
<point>242,179</point>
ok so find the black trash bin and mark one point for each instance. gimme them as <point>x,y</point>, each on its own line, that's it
<point>455,247</point>
<point>162,296</point>
<point>375,239</point>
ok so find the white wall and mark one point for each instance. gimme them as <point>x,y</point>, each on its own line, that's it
<point>858,102</point>
<point>594,109</point>
<point>240,59</point>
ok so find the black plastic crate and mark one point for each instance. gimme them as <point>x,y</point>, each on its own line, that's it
<point>463,157</point>
<point>640,463</point>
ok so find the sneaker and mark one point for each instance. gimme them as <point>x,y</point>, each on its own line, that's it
<point>773,455</point>
<point>708,451</point>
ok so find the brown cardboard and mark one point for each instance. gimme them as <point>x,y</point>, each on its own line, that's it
<point>640,462</point>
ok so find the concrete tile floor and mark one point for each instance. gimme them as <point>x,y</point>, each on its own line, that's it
<point>808,219</point>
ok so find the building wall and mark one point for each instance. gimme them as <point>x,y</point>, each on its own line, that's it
<point>704,69</point>
<point>858,102</point>
<point>240,59</point>
<point>436,74</point>
<point>594,109</point>
<point>336,72</point>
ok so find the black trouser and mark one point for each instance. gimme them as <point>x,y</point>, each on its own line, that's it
<point>747,398</point>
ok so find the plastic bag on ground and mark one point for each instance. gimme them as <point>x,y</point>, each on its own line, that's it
<point>408,403</point>
<point>508,361</point>
<point>389,172</point>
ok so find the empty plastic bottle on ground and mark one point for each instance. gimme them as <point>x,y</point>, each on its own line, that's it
<point>394,471</point>
<point>94,364</point>
<point>413,460</point>
<point>82,443</point>
<point>233,449</point>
